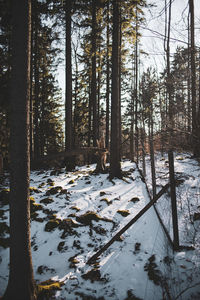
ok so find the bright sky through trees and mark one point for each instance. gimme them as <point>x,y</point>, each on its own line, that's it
<point>153,32</point>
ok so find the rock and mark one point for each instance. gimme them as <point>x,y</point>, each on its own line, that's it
<point>196,216</point>
<point>46,200</point>
<point>51,225</point>
<point>123,213</point>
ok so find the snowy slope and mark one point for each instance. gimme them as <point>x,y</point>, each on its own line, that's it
<point>86,211</point>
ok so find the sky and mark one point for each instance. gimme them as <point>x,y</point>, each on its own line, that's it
<point>153,43</point>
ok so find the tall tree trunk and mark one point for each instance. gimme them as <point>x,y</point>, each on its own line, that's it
<point>120,79</point>
<point>75,121</point>
<point>193,76</point>
<point>115,168</point>
<point>21,283</point>
<point>93,82</point>
<point>68,78</point>
<point>89,113</point>
<point>69,164</point>
<point>136,91</point>
<point>98,93</point>
<point>188,83</point>
<point>31,102</point>
<point>152,158</point>
<point>169,80</point>
<point>107,78</point>
<point>36,83</point>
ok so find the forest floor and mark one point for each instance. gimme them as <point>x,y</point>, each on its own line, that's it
<point>73,215</point>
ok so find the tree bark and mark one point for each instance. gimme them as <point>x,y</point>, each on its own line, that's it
<point>68,78</point>
<point>94,79</point>
<point>107,79</point>
<point>36,82</point>
<point>193,77</point>
<point>115,168</point>
<point>21,283</point>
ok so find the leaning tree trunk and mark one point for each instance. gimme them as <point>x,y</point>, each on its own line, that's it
<point>115,168</point>
<point>21,283</point>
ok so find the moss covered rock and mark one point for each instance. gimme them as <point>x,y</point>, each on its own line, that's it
<point>46,289</point>
<point>134,199</point>
<point>52,224</point>
<point>88,217</point>
<point>46,201</point>
<point>123,213</point>
<point>106,200</point>
<point>33,190</point>
<point>54,190</point>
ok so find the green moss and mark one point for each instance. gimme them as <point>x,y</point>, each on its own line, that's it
<point>35,206</point>
<point>123,213</point>
<point>33,190</point>
<point>46,200</point>
<point>180,158</point>
<point>71,181</point>
<point>47,288</point>
<point>52,224</point>
<point>32,199</point>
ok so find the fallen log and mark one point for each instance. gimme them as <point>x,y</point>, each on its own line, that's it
<point>120,232</point>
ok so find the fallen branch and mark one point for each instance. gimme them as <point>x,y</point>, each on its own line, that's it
<point>119,233</point>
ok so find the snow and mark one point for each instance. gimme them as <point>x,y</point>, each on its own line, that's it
<point>126,268</point>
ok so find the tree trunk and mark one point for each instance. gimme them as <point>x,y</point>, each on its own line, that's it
<point>136,92</point>
<point>31,102</point>
<point>107,79</point>
<point>68,78</point>
<point>21,283</point>
<point>36,83</point>
<point>69,164</point>
<point>94,79</point>
<point>193,76</point>
<point>169,81</point>
<point>115,168</point>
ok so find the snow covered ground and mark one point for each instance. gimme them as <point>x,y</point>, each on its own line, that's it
<point>79,212</point>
